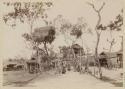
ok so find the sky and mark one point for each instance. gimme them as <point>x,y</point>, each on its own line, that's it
<point>13,45</point>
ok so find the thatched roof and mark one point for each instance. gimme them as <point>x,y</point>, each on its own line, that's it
<point>76,46</point>
<point>31,61</point>
<point>12,63</point>
<point>42,30</point>
<point>108,54</point>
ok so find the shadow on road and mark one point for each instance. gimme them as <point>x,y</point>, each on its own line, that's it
<point>112,81</point>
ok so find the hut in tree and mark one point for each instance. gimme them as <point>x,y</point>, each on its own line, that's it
<point>42,35</point>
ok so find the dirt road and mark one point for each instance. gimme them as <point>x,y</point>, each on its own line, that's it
<point>70,80</point>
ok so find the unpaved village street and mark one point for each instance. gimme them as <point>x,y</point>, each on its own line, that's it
<point>68,81</point>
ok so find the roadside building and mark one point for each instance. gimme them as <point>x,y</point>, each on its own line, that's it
<point>113,59</point>
<point>13,65</point>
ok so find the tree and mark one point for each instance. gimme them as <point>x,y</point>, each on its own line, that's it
<point>115,25</point>
<point>98,29</point>
<point>121,43</point>
<point>77,31</point>
<point>27,12</point>
<point>63,27</point>
<point>71,32</point>
<point>112,43</point>
<point>40,35</point>
<point>78,28</point>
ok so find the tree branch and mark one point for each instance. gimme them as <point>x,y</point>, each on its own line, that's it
<point>99,15</point>
<point>102,6</point>
<point>92,6</point>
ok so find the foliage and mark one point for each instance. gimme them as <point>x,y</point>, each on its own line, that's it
<point>76,31</point>
<point>39,38</point>
<point>27,11</point>
<point>114,25</point>
<point>117,23</point>
<point>51,36</point>
<point>27,36</point>
<point>101,27</point>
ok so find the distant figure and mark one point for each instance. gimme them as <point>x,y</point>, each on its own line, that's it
<point>63,68</point>
<point>103,62</point>
<point>78,68</point>
<point>68,67</point>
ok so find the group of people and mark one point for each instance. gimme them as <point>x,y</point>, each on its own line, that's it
<point>63,66</point>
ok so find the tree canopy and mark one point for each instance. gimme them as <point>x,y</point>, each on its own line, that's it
<point>27,11</point>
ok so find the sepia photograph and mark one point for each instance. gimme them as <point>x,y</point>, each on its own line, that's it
<point>62,44</point>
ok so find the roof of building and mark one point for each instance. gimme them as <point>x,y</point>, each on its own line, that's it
<point>42,31</point>
<point>77,46</point>
<point>32,61</point>
<point>109,54</point>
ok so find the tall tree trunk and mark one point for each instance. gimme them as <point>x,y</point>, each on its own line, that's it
<point>98,11</point>
<point>86,65</point>
<point>80,60</point>
<point>82,50</point>
<point>96,56</point>
<point>46,48</point>
<point>112,42</point>
<point>121,43</point>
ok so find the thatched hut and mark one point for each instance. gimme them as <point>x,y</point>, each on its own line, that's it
<point>113,58</point>
<point>33,65</point>
<point>78,50</point>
